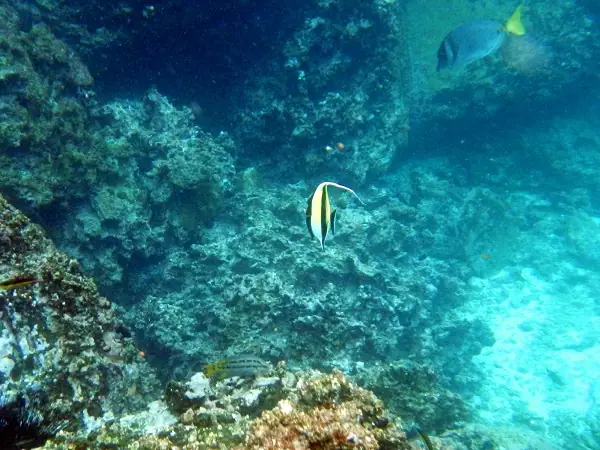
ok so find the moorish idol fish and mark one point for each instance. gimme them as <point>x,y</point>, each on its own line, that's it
<point>319,216</point>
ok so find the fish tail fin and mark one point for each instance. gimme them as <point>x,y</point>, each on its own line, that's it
<point>212,370</point>
<point>514,25</point>
<point>209,370</point>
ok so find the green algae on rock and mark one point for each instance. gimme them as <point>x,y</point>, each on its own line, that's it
<point>61,343</point>
<point>168,181</point>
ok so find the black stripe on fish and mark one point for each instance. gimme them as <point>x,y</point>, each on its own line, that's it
<point>324,218</point>
<point>332,221</point>
<point>309,215</point>
<point>425,439</point>
<point>240,366</point>
<point>245,362</point>
<point>451,50</point>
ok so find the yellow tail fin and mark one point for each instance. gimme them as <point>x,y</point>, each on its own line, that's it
<point>513,24</point>
<point>210,370</point>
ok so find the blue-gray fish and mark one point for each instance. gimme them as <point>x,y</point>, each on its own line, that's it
<point>475,40</point>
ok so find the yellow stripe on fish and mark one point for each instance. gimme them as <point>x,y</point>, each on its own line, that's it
<point>236,366</point>
<point>319,216</point>
<point>18,282</point>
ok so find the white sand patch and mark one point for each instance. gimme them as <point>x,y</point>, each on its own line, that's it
<point>542,371</point>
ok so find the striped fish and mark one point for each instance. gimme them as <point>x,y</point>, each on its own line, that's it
<point>319,216</point>
<point>17,282</point>
<point>236,366</point>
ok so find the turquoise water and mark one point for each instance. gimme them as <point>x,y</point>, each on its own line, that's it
<point>172,149</point>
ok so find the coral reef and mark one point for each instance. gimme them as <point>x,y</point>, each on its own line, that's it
<point>169,180</point>
<point>329,413</point>
<point>306,410</point>
<point>101,370</point>
<point>209,260</point>
<point>413,392</point>
<point>61,345</point>
<point>43,119</point>
<point>339,71</point>
<point>115,166</point>
<point>343,80</point>
<point>258,285</point>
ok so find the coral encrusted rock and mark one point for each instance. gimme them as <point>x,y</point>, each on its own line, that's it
<point>61,346</point>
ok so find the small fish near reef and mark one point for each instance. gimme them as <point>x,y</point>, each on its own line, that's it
<point>426,440</point>
<point>237,366</point>
<point>17,282</point>
<point>319,216</point>
<point>474,40</point>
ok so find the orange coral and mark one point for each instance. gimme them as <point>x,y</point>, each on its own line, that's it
<point>320,428</point>
<point>329,412</point>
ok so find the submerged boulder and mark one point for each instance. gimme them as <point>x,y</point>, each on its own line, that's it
<point>62,347</point>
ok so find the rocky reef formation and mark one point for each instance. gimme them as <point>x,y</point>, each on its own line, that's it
<point>279,410</point>
<point>43,119</point>
<point>257,284</point>
<point>342,77</point>
<point>114,165</point>
<point>414,393</point>
<point>326,412</point>
<point>168,181</point>
<point>64,350</point>
<point>148,184</point>
<point>203,243</point>
<point>361,74</point>
<point>284,411</point>
<point>152,183</point>
<point>61,346</point>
